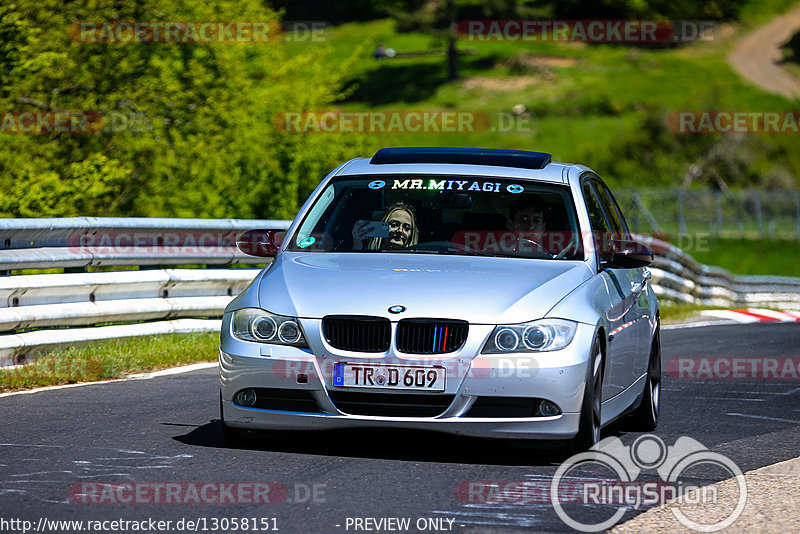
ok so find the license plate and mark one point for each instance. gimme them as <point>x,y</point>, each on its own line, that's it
<point>413,377</point>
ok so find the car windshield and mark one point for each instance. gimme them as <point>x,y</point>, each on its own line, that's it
<point>439,214</point>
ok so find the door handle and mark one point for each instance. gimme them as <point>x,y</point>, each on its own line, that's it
<point>638,287</point>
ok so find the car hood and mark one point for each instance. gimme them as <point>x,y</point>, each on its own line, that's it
<point>480,290</point>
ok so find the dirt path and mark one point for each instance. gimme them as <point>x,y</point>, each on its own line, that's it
<point>757,55</point>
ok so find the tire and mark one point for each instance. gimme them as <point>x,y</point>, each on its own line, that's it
<point>645,417</point>
<point>591,409</point>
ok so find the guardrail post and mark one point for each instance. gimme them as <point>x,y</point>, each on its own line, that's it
<point>759,218</point>
<point>797,215</point>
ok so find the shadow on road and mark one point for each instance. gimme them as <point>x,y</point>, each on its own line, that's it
<point>390,444</point>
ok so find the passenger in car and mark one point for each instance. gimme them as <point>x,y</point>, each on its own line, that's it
<point>399,224</point>
<point>527,219</point>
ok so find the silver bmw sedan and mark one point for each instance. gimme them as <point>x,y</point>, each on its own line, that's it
<point>482,292</point>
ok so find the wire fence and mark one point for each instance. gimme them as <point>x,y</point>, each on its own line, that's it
<point>751,214</point>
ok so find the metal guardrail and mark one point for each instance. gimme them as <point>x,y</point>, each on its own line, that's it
<point>34,301</point>
<point>36,308</point>
<point>679,277</point>
<point>42,312</point>
<point>170,300</point>
<point>81,242</point>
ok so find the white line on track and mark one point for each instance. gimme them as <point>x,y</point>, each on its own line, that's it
<point>730,398</point>
<point>697,325</point>
<point>730,315</point>
<point>139,376</point>
<point>764,417</point>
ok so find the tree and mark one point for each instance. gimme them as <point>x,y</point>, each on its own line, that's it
<point>187,127</point>
<point>441,18</point>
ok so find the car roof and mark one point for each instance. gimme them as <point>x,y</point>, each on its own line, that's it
<point>420,161</point>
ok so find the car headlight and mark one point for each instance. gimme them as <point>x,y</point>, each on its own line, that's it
<point>537,336</point>
<point>253,324</point>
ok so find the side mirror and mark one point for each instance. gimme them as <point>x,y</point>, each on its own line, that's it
<point>262,243</point>
<point>627,254</point>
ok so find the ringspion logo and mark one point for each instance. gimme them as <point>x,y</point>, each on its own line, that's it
<point>619,489</point>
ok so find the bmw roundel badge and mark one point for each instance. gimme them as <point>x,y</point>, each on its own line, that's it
<point>397,309</point>
<point>376,184</point>
<point>515,188</point>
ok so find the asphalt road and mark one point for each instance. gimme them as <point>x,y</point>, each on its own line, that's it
<point>55,444</point>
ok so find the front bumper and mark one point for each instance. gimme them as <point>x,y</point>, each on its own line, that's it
<point>558,377</point>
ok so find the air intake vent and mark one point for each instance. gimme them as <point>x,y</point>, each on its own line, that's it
<point>357,333</point>
<point>431,336</point>
<point>391,404</point>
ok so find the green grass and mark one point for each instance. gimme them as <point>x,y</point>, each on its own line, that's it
<point>105,360</point>
<point>585,103</point>
<point>581,103</point>
<point>745,256</point>
<point>760,12</point>
<point>577,109</point>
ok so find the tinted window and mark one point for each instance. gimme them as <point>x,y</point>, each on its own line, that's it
<point>473,215</point>
<point>603,228</point>
<point>613,213</point>
<point>596,216</point>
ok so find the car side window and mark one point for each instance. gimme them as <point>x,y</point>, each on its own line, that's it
<point>596,218</point>
<point>601,230</point>
<point>613,213</point>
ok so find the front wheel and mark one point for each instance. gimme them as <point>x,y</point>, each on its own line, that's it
<point>645,417</point>
<point>591,409</point>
